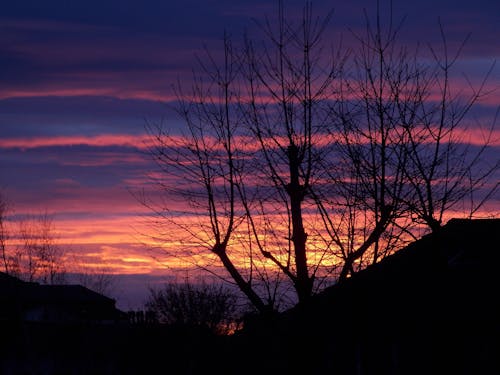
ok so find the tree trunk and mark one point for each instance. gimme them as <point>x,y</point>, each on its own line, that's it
<point>295,190</point>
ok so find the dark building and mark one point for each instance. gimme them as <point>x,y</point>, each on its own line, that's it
<point>431,308</point>
<point>68,329</point>
<point>57,329</point>
<point>31,302</point>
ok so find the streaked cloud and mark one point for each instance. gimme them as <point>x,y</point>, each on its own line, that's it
<point>103,140</point>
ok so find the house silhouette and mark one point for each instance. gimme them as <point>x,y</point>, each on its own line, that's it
<point>22,301</point>
<point>431,308</point>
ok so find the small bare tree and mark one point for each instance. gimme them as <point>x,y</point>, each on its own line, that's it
<point>209,306</point>
<point>98,280</point>
<point>3,233</point>
<point>37,256</point>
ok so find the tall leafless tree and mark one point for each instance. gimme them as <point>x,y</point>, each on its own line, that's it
<point>299,165</point>
<point>208,167</point>
<point>288,79</point>
<point>254,135</point>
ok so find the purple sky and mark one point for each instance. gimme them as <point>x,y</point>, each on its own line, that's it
<point>80,79</point>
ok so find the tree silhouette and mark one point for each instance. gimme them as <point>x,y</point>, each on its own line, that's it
<point>3,232</point>
<point>206,306</point>
<point>441,167</point>
<point>97,279</point>
<point>30,252</point>
<point>38,257</point>
<point>299,165</point>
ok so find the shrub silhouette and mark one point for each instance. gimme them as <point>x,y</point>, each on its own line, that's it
<point>206,306</point>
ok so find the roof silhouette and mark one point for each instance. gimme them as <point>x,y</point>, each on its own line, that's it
<point>20,300</point>
<point>432,307</point>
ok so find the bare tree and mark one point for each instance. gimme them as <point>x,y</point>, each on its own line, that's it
<point>254,159</point>
<point>37,256</point>
<point>442,167</point>
<point>363,212</point>
<point>3,233</point>
<point>297,166</point>
<point>208,165</point>
<point>97,280</point>
<point>30,251</point>
<point>288,79</point>
<point>209,306</point>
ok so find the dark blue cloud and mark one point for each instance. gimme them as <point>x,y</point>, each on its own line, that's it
<point>89,115</point>
<point>133,45</point>
<point>207,19</point>
<point>184,17</point>
<point>41,167</point>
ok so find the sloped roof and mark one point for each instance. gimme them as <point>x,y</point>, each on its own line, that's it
<point>9,287</point>
<point>432,307</point>
<point>64,294</point>
<point>5,278</point>
<point>17,295</point>
<point>450,264</point>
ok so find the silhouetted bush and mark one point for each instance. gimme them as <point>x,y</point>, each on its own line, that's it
<point>207,306</point>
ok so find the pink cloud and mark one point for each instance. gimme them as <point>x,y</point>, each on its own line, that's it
<point>102,140</point>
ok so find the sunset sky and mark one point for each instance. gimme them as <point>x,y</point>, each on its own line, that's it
<point>79,80</point>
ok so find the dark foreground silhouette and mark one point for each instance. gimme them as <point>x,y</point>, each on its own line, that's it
<point>432,308</point>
